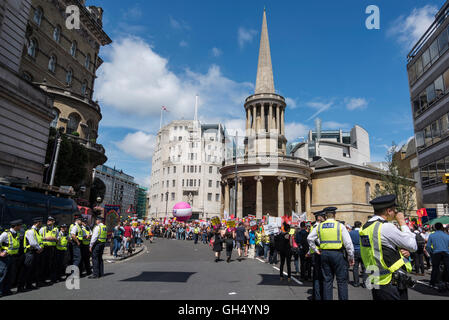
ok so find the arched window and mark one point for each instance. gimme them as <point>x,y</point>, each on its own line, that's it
<point>73,49</point>
<point>52,64</point>
<point>38,13</point>
<point>87,62</point>
<point>84,88</point>
<point>91,130</point>
<point>69,76</point>
<point>74,121</point>
<point>367,192</point>
<point>32,48</point>
<point>55,113</point>
<point>57,33</point>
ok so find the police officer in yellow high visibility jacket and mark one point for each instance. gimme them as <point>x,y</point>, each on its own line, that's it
<point>49,234</point>
<point>333,238</point>
<point>385,250</point>
<point>85,243</point>
<point>9,257</point>
<point>97,244</point>
<point>61,252</point>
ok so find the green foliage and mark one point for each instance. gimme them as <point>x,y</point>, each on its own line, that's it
<point>72,161</point>
<point>394,181</point>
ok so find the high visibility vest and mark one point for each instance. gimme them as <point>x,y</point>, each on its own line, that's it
<point>329,233</point>
<point>13,245</point>
<point>197,230</point>
<point>266,239</point>
<point>62,242</point>
<point>86,235</point>
<point>79,232</point>
<point>38,237</point>
<point>258,238</point>
<point>102,237</point>
<point>372,255</point>
<point>50,233</point>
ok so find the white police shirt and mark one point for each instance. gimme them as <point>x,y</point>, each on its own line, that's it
<point>392,237</point>
<point>31,237</point>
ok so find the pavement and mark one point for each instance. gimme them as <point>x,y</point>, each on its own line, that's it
<point>180,270</point>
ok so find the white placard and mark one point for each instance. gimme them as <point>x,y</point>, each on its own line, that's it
<point>271,229</point>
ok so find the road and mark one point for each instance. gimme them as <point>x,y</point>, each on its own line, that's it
<point>180,270</point>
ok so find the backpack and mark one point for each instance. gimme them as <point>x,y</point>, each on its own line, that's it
<point>280,243</point>
<point>420,242</point>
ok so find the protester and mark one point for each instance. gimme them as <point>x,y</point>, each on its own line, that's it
<point>283,245</point>
<point>218,244</point>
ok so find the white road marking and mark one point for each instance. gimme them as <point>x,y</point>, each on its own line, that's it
<point>285,273</point>
<point>232,293</point>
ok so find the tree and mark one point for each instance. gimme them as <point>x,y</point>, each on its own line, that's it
<point>394,181</point>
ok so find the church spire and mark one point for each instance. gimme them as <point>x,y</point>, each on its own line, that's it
<point>264,82</point>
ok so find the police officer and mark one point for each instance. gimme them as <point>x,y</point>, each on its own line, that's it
<point>85,254</point>
<point>332,237</point>
<point>33,247</point>
<point>385,250</point>
<point>76,235</point>
<point>317,275</point>
<point>97,244</point>
<point>9,257</point>
<point>49,234</point>
<point>61,251</point>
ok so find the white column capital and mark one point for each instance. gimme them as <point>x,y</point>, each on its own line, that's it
<point>282,179</point>
<point>258,178</point>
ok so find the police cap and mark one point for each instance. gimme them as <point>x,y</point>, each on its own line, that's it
<point>64,226</point>
<point>318,213</point>
<point>330,209</point>
<point>84,219</point>
<point>100,218</point>
<point>16,223</point>
<point>50,218</point>
<point>38,219</point>
<point>384,202</point>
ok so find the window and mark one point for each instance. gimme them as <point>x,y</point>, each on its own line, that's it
<point>84,88</point>
<point>426,59</point>
<point>427,136</point>
<point>445,124</point>
<point>423,100</point>
<point>200,169</point>
<point>87,62</point>
<point>435,132</point>
<point>424,176</point>
<point>199,182</point>
<point>92,131</point>
<point>210,169</point>
<point>162,197</point>
<point>218,184</point>
<point>74,121</point>
<point>210,183</point>
<point>38,16</point>
<point>441,169</point>
<point>173,196</point>
<point>217,197</point>
<point>55,113</point>
<point>430,93</point>
<point>367,192</point>
<point>174,183</point>
<point>419,67</point>
<point>168,170</point>
<point>416,107</point>
<point>73,49</point>
<point>447,164</point>
<point>439,87</point>
<point>52,64</point>
<point>69,76</point>
<point>209,197</point>
<point>183,169</point>
<point>412,73</point>
<point>32,48</point>
<point>57,34</point>
<point>434,52</point>
<point>443,41</point>
<point>174,169</point>
<point>432,173</point>
<point>191,182</point>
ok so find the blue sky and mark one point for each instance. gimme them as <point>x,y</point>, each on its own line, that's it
<point>325,61</point>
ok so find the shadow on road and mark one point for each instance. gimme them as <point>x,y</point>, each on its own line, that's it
<point>427,290</point>
<point>162,277</point>
<point>274,280</point>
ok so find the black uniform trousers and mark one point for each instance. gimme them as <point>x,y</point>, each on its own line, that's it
<point>85,259</point>
<point>389,292</point>
<point>317,278</point>
<point>49,263</point>
<point>97,259</point>
<point>306,265</point>
<point>12,273</point>
<point>29,272</point>
<point>61,258</point>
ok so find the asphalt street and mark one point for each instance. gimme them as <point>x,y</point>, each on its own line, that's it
<point>180,270</point>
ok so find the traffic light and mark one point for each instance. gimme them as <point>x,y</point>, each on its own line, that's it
<point>446,178</point>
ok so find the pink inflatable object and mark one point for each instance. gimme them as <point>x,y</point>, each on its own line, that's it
<point>182,211</point>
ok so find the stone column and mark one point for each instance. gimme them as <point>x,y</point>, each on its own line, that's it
<point>281,196</point>
<point>278,128</point>
<point>253,125</point>
<point>308,207</point>
<point>283,122</point>
<point>259,197</point>
<point>247,120</point>
<point>262,117</point>
<point>298,197</point>
<point>239,198</point>
<point>226,204</point>
<point>270,117</point>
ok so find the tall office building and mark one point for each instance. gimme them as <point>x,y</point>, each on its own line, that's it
<point>428,71</point>
<point>186,163</point>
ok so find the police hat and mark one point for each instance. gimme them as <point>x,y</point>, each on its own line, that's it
<point>16,223</point>
<point>51,219</point>
<point>83,219</point>
<point>77,217</point>
<point>384,202</point>
<point>64,226</point>
<point>99,218</point>
<point>318,213</point>
<point>330,209</point>
<point>39,219</point>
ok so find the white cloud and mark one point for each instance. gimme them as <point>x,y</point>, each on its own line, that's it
<point>183,44</point>
<point>144,181</point>
<point>234,126</point>
<point>356,103</point>
<point>333,125</point>
<point>178,24</point>
<point>216,52</point>
<point>295,130</point>
<point>320,107</point>
<point>291,103</point>
<point>139,145</point>
<point>134,82</point>
<point>245,36</point>
<point>409,29</point>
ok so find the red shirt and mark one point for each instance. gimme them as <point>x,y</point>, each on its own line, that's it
<point>128,232</point>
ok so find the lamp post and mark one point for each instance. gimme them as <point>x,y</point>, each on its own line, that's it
<point>55,163</point>
<point>166,204</point>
